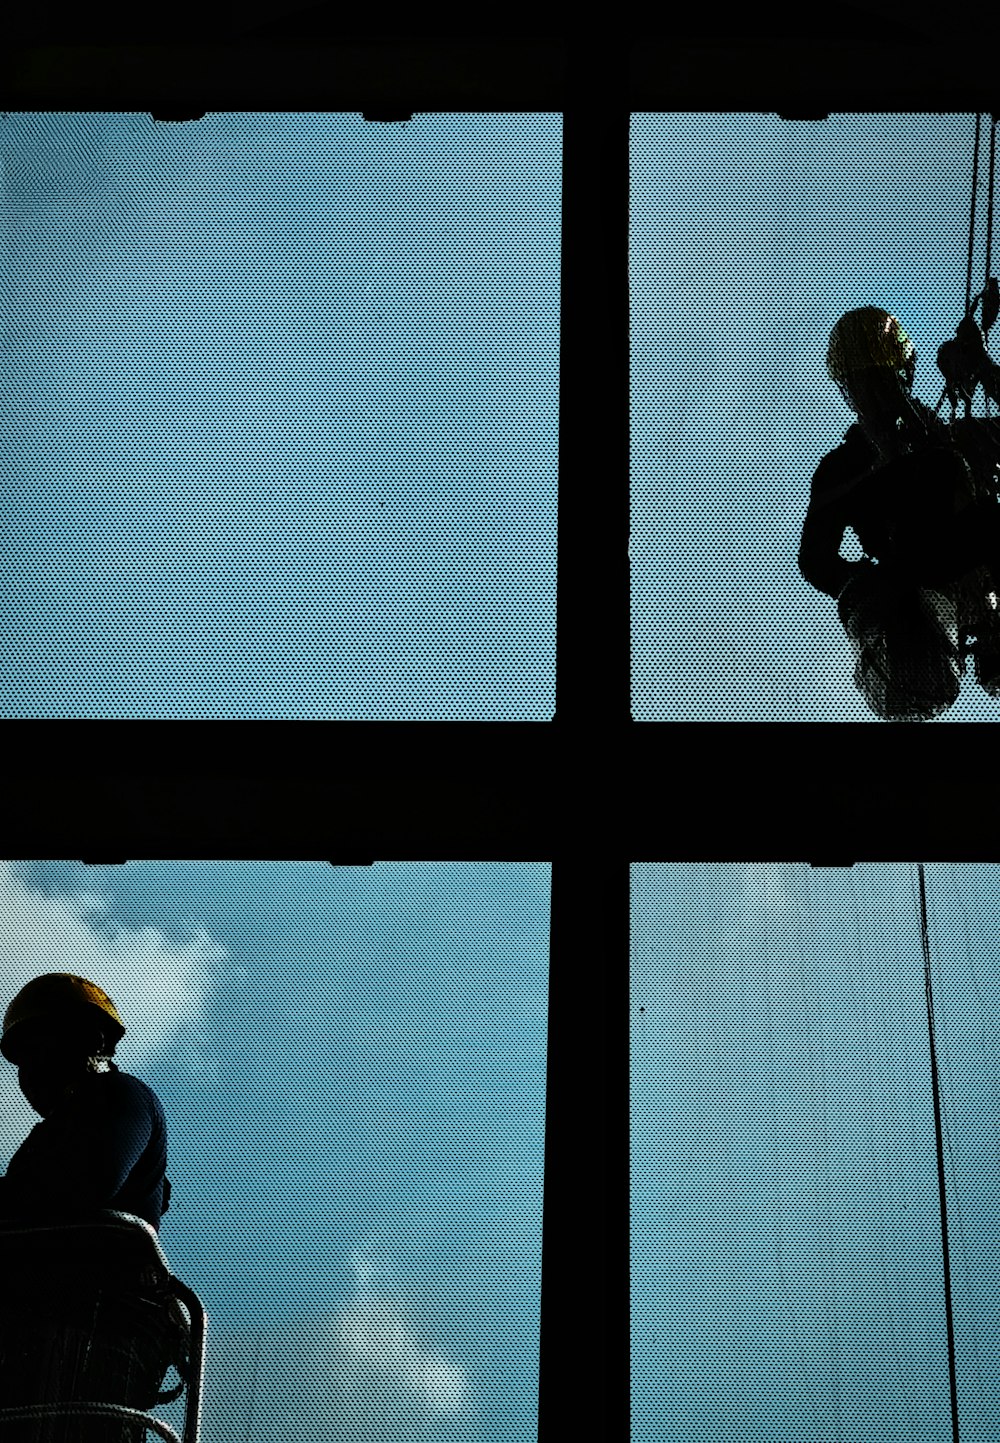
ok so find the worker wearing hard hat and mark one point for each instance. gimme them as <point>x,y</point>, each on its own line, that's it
<point>921,497</point>
<point>102,1141</point>
<point>70,1332</point>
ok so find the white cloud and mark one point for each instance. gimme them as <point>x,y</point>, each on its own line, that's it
<point>380,1349</point>
<point>362,1371</point>
<point>160,989</point>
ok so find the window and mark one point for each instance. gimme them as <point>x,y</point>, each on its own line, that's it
<point>284,390</point>
<point>566,772</point>
<point>786,1234</point>
<point>751,236</point>
<point>352,1065</point>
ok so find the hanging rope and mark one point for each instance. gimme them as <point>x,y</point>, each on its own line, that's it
<point>987,317</point>
<point>965,361</point>
<point>972,216</point>
<point>942,1191</point>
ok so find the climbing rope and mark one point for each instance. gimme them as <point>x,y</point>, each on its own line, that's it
<point>965,361</point>
<point>972,216</point>
<point>942,1191</point>
<point>988,317</point>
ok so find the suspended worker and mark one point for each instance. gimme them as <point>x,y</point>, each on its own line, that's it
<point>101,1144</point>
<point>922,498</point>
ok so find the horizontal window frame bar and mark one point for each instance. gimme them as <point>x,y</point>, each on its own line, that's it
<point>425,791</point>
<point>803,76</point>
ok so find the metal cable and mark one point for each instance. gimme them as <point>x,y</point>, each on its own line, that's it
<point>942,1190</point>
<point>972,216</point>
<point>989,220</point>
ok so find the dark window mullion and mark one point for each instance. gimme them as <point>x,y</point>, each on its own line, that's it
<point>593,655</point>
<point>584,1373</point>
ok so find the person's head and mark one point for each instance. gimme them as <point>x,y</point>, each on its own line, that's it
<point>872,361</point>
<point>58,1028</point>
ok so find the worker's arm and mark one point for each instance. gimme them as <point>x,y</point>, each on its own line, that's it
<point>826,521</point>
<point>850,488</point>
<point>80,1156</point>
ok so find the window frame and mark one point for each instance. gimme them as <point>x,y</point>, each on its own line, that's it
<point>592,791</point>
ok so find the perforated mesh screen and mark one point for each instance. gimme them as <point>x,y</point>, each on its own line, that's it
<point>283,406</point>
<point>750,236</point>
<point>787,1278</point>
<point>352,1065</point>
<point>282,398</point>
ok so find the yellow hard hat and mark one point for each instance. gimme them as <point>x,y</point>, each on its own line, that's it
<point>865,339</point>
<point>57,995</point>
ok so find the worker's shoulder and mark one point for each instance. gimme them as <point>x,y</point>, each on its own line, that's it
<point>854,453</point>
<point>124,1090</point>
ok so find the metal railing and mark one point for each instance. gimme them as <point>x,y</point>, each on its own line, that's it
<point>124,1251</point>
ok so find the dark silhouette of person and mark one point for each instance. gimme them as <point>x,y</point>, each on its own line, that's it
<point>67,1331</point>
<point>921,497</point>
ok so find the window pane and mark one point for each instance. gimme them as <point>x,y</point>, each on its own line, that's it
<point>751,236</point>
<point>352,1065</point>
<point>283,394</point>
<point>787,1276</point>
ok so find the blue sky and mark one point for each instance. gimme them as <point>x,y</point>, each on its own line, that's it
<point>283,390</point>
<point>787,1277</point>
<point>352,1062</point>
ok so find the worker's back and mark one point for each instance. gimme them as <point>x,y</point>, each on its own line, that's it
<point>103,1146</point>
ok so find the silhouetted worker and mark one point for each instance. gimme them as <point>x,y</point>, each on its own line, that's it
<point>921,497</point>
<point>101,1144</point>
